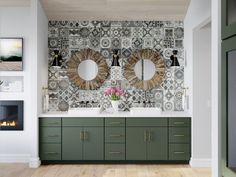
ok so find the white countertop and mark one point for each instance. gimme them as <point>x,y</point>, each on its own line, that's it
<point>119,114</point>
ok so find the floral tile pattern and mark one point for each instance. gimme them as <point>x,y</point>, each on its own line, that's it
<point>126,37</point>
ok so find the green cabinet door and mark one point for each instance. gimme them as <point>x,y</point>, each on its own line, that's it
<point>136,138</point>
<point>157,143</point>
<point>228,64</point>
<point>93,144</point>
<point>72,144</point>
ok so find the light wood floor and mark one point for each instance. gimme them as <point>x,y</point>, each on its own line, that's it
<point>22,170</point>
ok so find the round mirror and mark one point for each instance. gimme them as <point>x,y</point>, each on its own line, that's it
<point>88,69</point>
<point>144,69</point>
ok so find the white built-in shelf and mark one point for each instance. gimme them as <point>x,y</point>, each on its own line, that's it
<point>12,96</point>
<point>12,73</point>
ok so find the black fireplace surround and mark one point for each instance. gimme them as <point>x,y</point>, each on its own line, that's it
<point>11,115</point>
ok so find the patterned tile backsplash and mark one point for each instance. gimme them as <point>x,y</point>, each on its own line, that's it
<point>126,36</point>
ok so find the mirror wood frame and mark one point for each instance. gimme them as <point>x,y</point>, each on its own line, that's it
<point>74,62</point>
<point>156,80</point>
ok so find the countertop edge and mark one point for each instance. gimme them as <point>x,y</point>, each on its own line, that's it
<point>122,114</point>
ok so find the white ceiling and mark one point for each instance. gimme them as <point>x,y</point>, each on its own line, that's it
<point>10,3</point>
<point>109,9</point>
<point>115,9</point>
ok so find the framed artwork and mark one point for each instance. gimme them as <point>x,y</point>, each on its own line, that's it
<point>11,54</point>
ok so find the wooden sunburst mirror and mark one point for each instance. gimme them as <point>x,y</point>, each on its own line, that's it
<point>156,78</point>
<point>74,69</point>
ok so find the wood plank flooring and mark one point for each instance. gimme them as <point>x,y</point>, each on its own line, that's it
<point>22,170</point>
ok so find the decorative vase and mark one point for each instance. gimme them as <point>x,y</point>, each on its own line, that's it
<point>115,105</point>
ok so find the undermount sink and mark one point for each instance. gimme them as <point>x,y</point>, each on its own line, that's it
<point>142,111</point>
<point>83,110</point>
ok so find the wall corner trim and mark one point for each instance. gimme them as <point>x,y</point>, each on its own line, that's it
<point>198,163</point>
<point>34,162</point>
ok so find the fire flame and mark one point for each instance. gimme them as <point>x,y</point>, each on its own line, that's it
<point>8,123</point>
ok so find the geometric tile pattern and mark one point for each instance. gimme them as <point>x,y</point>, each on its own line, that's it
<point>126,37</point>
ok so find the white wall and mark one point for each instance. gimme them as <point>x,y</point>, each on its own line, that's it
<point>216,85</point>
<point>199,11</point>
<point>15,22</point>
<point>30,23</point>
<point>201,130</point>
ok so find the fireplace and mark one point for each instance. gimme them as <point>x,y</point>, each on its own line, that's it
<point>11,115</point>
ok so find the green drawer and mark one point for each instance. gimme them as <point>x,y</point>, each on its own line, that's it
<point>115,152</point>
<point>179,135</point>
<point>179,152</point>
<point>50,122</point>
<point>115,134</point>
<point>150,122</point>
<point>114,122</point>
<point>77,121</point>
<point>50,151</point>
<point>179,122</point>
<point>50,134</point>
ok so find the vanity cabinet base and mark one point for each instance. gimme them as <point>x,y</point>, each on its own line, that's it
<point>140,140</point>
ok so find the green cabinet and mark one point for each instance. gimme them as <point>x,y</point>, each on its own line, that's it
<point>136,143</point>
<point>146,142</point>
<point>115,139</point>
<point>228,101</point>
<point>72,143</point>
<point>82,139</point>
<point>179,139</point>
<point>228,19</point>
<point>93,146</point>
<point>50,138</point>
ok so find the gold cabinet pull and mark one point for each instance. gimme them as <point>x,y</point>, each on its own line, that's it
<point>115,123</point>
<point>179,135</point>
<point>149,136</point>
<point>178,123</point>
<point>115,152</point>
<point>82,135</point>
<point>51,153</point>
<point>53,123</point>
<point>179,152</point>
<point>145,135</point>
<point>115,136</point>
<point>53,136</point>
<point>86,136</point>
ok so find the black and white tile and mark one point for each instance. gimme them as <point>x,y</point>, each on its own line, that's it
<point>126,37</point>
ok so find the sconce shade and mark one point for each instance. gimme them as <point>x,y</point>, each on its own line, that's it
<point>57,59</point>
<point>115,60</point>
<point>174,59</point>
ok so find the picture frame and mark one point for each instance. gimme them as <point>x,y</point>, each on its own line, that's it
<point>11,54</point>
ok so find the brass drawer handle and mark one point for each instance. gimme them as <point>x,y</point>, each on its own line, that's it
<point>115,152</point>
<point>179,152</point>
<point>51,153</point>
<point>53,123</point>
<point>115,136</point>
<point>178,123</point>
<point>53,136</point>
<point>82,135</point>
<point>149,136</point>
<point>86,135</point>
<point>145,136</point>
<point>115,123</point>
<point>179,135</point>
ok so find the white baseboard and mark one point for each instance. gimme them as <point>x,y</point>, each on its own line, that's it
<point>14,158</point>
<point>20,158</point>
<point>200,162</point>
